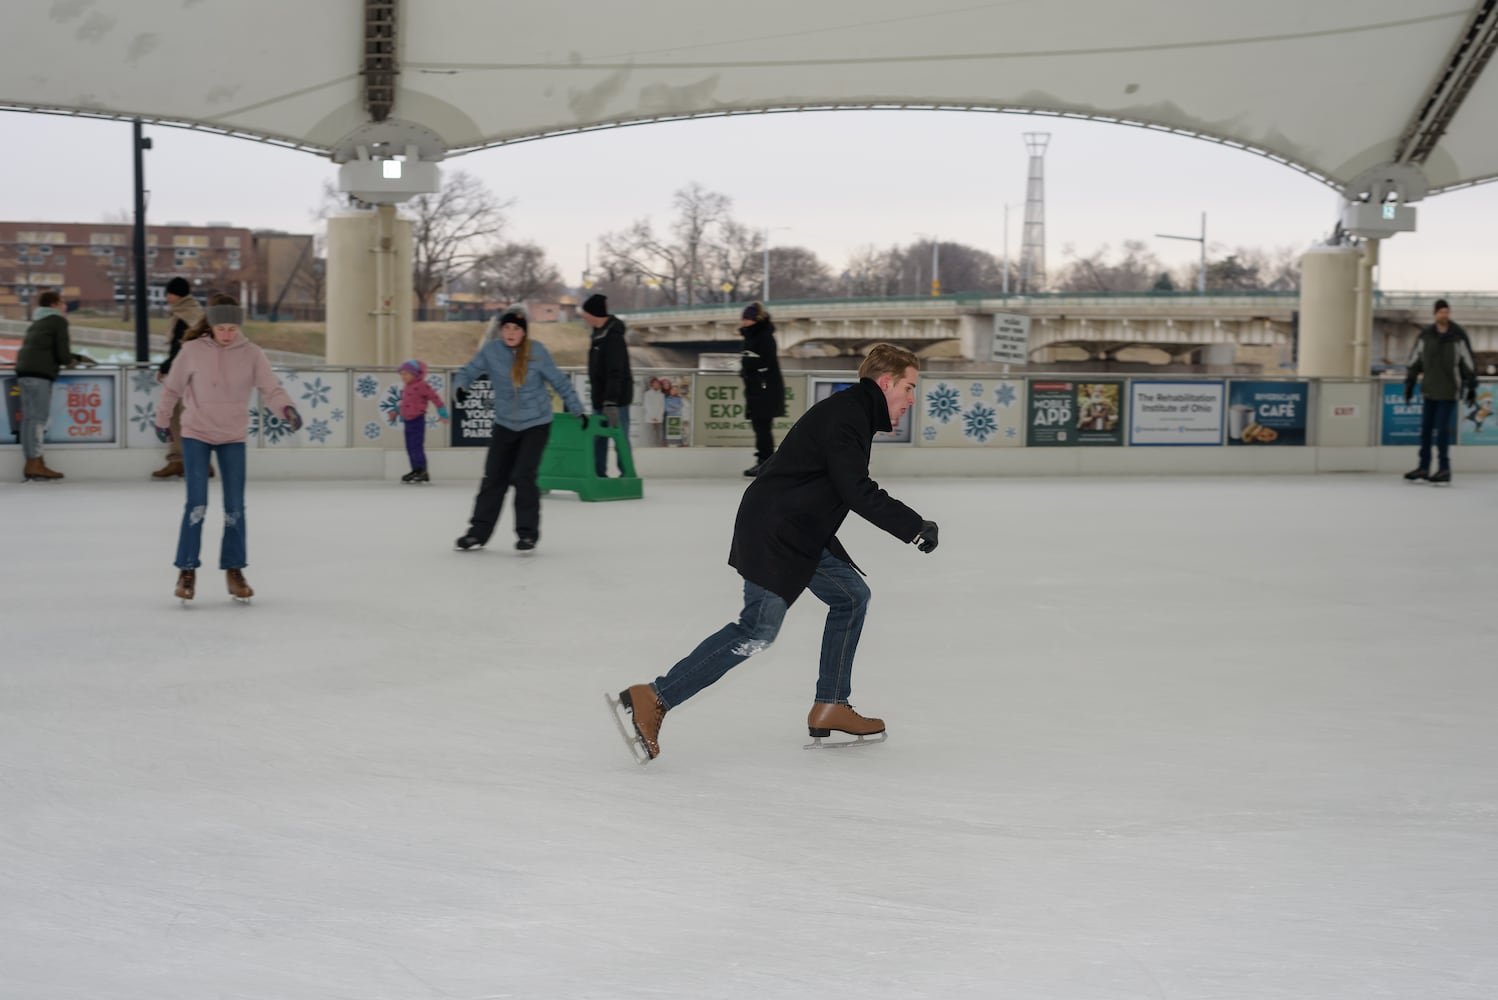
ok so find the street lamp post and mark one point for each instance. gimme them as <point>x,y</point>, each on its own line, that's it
<point>1201,278</point>
<point>142,322</point>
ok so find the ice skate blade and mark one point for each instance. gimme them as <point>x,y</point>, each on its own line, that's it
<point>241,600</point>
<point>860,741</point>
<point>631,740</point>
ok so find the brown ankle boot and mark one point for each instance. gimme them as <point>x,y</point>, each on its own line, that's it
<point>169,471</point>
<point>33,469</point>
<point>187,583</point>
<point>45,473</point>
<point>239,588</point>
<point>647,711</point>
<point>825,718</point>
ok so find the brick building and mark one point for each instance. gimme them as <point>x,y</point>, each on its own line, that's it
<point>90,262</point>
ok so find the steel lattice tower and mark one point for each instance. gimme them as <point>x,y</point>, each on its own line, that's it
<point>1032,246</point>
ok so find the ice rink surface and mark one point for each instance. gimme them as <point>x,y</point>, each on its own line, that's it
<point>1195,739</point>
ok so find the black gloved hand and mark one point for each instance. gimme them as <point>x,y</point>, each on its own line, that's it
<point>1409,390</point>
<point>1472,393</point>
<point>292,417</point>
<point>584,418</point>
<point>460,395</point>
<point>926,540</point>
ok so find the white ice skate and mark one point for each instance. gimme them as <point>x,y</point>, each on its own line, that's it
<point>626,726</point>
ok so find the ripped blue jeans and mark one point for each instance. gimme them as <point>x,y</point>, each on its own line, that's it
<point>195,458</point>
<point>836,584</point>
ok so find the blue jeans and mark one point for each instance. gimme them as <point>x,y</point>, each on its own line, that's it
<point>601,446</point>
<point>836,584</point>
<point>1436,417</point>
<point>195,457</point>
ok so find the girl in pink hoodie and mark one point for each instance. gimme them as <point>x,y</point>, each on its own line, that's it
<point>415,398</point>
<point>213,376</point>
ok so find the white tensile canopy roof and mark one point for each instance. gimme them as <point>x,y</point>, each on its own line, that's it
<point>1331,87</point>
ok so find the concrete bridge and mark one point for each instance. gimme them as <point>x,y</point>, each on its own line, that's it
<point>1100,325</point>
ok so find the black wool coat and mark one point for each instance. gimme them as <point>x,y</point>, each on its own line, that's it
<point>792,510</point>
<point>609,377</point>
<point>764,388</point>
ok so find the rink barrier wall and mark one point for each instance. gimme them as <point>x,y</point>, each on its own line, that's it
<point>963,425</point>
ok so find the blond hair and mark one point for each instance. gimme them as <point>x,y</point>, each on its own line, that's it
<point>887,359</point>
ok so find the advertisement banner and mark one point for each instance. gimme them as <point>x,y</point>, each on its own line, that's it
<point>1401,420</point>
<point>721,421</point>
<point>823,388</point>
<point>473,419</point>
<point>1261,413</point>
<point>1478,425</point>
<point>972,412</point>
<point>1176,414</point>
<point>84,410</point>
<point>1063,414</point>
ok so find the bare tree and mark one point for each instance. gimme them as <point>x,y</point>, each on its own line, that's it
<point>515,272</point>
<point>452,232</point>
<point>873,273</point>
<point>797,273</point>
<point>706,247</point>
<point>1136,270</point>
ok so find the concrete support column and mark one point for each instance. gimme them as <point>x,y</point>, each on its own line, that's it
<point>1363,318</point>
<point>369,288</point>
<point>1328,312</point>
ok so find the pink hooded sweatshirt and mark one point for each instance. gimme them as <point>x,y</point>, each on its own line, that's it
<point>416,395</point>
<point>214,384</point>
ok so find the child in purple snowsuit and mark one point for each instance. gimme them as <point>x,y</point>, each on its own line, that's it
<point>414,399</point>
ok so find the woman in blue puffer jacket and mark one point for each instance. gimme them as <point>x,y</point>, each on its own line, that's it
<point>519,370</point>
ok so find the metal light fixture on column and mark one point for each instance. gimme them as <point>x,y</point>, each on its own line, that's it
<point>1201,278</point>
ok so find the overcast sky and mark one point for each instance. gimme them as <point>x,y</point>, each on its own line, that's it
<point>837,180</point>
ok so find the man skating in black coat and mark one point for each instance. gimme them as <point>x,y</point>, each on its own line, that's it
<point>785,541</point>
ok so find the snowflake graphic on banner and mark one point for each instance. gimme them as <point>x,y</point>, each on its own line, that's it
<point>143,380</point>
<point>928,432</point>
<point>288,378</point>
<point>1011,432</point>
<point>435,381</point>
<point>391,404</point>
<point>981,422</point>
<point>144,417</point>
<point>317,393</point>
<point>1005,395</point>
<point>266,424</point>
<point>944,402</point>
<point>337,414</point>
<point>367,386</point>
<point>372,430</point>
<point>976,390</point>
<point>319,431</point>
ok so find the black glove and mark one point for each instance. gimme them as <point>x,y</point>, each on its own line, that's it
<point>1409,390</point>
<point>926,540</point>
<point>584,418</point>
<point>611,414</point>
<point>460,395</point>
<point>292,417</point>
<point>1472,393</point>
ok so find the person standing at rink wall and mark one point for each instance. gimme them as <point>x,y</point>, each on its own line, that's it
<point>764,388</point>
<point>1443,355</point>
<point>785,542</point>
<point>214,374</point>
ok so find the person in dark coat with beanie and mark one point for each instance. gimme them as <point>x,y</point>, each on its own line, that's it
<point>1443,355</point>
<point>611,384</point>
<point>186,312</point>
<point>764,388</point>
<point>785,542</point>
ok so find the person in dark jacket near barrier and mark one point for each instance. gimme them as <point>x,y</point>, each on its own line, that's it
<point>611,384</point>
<point>764,388</point>
<point>785,542</point>
<point>43,354</point>
<point>186,312</point>
<point>1443,354</point>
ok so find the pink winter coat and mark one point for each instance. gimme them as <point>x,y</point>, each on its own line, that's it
<point>214,384</point>
<point>417,394</point>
